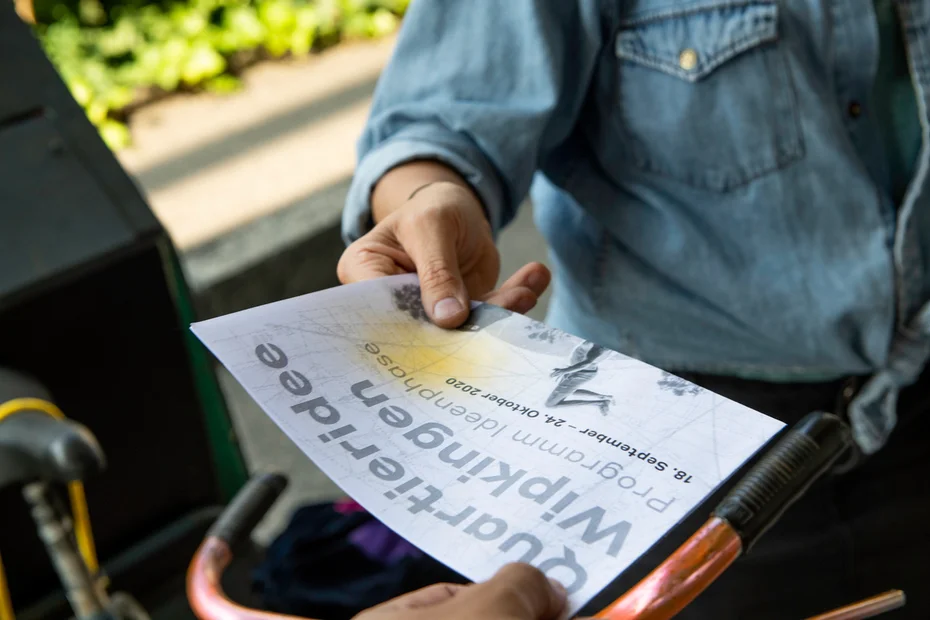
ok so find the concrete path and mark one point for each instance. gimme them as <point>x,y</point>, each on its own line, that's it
<point>210,163</point>
<point>250,186</point>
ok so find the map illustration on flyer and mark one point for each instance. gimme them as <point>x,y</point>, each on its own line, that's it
<point>504,440</point>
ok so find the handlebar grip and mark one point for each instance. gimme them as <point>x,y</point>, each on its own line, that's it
<point>783,475</point>
<point>14,384</point>
<point>248,508</point>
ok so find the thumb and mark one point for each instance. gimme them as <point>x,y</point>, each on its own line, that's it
<point>433,251</point>
<point>517,592</point>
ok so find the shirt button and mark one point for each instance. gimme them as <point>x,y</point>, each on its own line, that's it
<point>855,109</point>
<point>688,59</point>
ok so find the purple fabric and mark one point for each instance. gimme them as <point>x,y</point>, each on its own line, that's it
<point>347,505</point>
<point>374,539</point>
<point>379,543</point>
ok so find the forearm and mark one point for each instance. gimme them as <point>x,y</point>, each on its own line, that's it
<point>397,185</point>
<point>490,119</point>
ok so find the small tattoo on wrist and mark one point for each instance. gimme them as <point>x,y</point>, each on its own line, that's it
<point>422,187</point>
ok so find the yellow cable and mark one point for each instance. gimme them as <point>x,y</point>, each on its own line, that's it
<point>6,605</point>
<point>82,529</point>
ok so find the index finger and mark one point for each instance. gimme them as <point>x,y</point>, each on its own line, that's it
<point>370,259</point>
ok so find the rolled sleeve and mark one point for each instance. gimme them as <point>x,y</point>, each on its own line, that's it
<point>417,142</point>
<point>486,87</point>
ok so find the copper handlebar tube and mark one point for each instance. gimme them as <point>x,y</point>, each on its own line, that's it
<point>869,608</point>
<point>681,577</point>
<point>661,595</point>
<point>234,527</point>
<point>205,590</point>
<point>782,475</point>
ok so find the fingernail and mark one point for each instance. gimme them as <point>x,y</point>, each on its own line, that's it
<point>536,281</point>
<point>446,308</point>
<point>559,589</point>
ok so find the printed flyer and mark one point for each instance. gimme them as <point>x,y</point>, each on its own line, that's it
<point>504,440</point>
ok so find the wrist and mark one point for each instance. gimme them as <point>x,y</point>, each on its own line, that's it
<point>399,187</point>
<point>436,193</point>
<point>419,189</point>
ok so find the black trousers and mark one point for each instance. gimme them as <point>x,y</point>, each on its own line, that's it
<point>851,536</point>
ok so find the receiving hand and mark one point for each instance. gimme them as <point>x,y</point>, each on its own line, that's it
<point>516,592</point>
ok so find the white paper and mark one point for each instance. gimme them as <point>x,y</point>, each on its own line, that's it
<point>464,442</point>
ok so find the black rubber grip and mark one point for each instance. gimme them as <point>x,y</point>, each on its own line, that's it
<point>248,508</point>
<point>787,470</point>
<point>16,385</point>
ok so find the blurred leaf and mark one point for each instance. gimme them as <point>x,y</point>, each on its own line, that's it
<point>175,51</point>
<point>203,63</point>
<point>350,7</point>
<point>358,26</point>
<point>119,40</point>
<point>278,43</point>
<point>168,76</point>
<point>115,134</point>
<point>301,42</point>
<point>244,24</point>
<point>279,16</point>
<point>223,84</point>
<point>329,14</point>
<point>97,112</point>
<point>81,91</point>
<point>96,73</point>
<point>308,18</point>
<point>191,22</point>
<point>92,12</point>
<point>60,12</point>
<point>118,97</point>
<point>150,56</point>
<point>383,23</point>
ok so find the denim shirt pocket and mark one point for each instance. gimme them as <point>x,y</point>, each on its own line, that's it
<point>703,92</point>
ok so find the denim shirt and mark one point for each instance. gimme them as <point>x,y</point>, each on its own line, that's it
<point>707,174</point>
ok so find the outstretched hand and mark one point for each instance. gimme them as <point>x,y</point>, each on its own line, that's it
<point>443,236</point>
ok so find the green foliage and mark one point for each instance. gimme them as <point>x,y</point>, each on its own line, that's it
<point>116,55</point>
